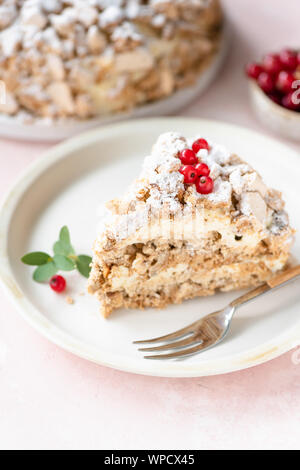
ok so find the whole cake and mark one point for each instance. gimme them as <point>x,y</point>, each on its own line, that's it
<point>81,58</point>
<point>197,220</point>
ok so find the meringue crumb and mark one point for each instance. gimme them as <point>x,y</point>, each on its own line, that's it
<point>69,300</point>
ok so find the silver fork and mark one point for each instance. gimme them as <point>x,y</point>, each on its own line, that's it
<point>212,329</point>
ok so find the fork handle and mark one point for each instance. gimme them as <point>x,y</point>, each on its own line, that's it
<point>284,277</point>
<point>274,282</point>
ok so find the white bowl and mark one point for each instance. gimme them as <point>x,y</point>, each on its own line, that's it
<point>284,122</point>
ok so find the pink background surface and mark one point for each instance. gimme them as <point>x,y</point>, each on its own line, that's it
<point>51,399</point>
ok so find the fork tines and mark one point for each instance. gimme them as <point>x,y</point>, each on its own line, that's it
<point>176,342</point>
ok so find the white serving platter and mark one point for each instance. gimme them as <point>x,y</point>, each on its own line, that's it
<point>67,185</point>
<point>45,131</point>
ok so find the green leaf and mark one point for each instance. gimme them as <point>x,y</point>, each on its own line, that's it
<point>63,245</point>
<point>65,239</point>
<point>59,249</point>
<point>64,235</point>
<point>37,258</point>
<point>83,265</point>
<point>62,248</point>
<point>63,263</point>
<point>45,272</point>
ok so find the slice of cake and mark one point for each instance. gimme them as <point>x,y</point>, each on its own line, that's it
<point>198,219</point>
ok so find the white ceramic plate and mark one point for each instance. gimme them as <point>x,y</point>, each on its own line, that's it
<point>66,187</point>
<point>42,131</point>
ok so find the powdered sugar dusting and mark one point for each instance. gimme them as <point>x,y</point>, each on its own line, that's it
<point>162,182</point>
<point>126,31</point>
<point>164,157</point>
<point>222,192</point>
<point>95,40</point>
<point>161,171</point>
<point>24,19</point>
<point>111,15</point>
<point>236,181</point>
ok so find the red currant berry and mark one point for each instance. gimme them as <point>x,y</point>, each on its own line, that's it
<point>276,97</point>
<point>253,70</point>
<point>202,169</point>
<point>272,63</point>
<point>200,144</point>
<point>266,82</point>
<point>58,283</point>
<point>288,59</point>
<point>204,185</point>
<point>189,173</point>
<point>298,58</point>
<point>285,81</point>
<point>288,101</point>
<point>188,157</point>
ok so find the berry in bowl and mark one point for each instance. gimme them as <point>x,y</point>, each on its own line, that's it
<point>275,91</point>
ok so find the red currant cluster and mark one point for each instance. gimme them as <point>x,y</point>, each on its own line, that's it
<point>195,172</point>
<point>276,76</point>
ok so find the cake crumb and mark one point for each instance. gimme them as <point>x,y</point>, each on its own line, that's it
<point>69,300</point>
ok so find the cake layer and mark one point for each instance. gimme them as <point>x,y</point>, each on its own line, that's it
<point>174,285</point>
<point>163,270</point>
<point>158,269</point>
<point>144,260</point>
